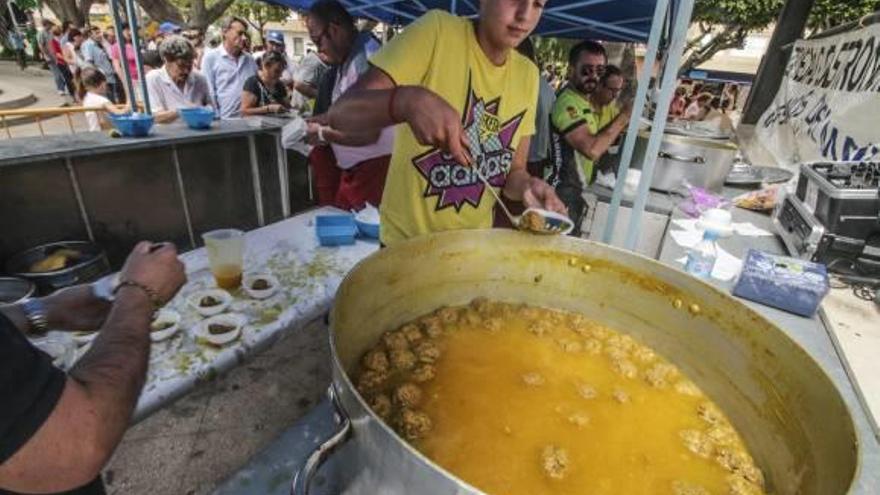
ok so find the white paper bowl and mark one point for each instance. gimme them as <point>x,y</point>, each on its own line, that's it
<point>236,320</point>
<point>224,297</point>
<point>165,316</point>
<point>248,280</point>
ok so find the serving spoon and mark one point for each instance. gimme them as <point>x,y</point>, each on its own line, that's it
<point>535,220</point>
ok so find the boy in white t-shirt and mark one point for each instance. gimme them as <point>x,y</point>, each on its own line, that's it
<point>95,83</point>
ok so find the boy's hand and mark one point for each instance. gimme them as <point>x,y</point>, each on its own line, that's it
<point>433,121</point>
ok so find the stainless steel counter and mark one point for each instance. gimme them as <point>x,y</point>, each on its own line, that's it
<point>171,185</point>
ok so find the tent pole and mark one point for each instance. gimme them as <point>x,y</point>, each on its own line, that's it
<point>131,12</point>
<point>632,129</point>
<point>120,41</point>
<point>670,75</point>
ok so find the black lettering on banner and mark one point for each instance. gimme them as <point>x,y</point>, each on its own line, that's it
<point>864,59</point>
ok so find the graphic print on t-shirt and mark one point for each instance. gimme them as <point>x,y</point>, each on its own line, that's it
<point>491,148</point>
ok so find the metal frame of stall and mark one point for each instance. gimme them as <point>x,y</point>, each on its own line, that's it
<point>131,16</point>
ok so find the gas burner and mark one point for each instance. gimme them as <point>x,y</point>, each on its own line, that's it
<point>852,175</point>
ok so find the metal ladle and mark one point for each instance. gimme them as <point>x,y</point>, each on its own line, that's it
<point>553,223</point>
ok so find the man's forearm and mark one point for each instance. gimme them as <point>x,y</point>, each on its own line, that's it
<point>365,110</point>
<point>517,183</point>
<point>113,370</point>
<point>350,138</point>
<point>606,137</point>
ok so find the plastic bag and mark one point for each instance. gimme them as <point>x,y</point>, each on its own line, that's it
<point>760,200</point>
<point>697,200</point>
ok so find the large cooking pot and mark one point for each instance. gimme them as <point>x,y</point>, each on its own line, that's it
<point>788,411</point>
<point>90,266</point>
<point>702,162</point>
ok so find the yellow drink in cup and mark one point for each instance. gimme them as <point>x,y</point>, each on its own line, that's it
<point>225,256</point>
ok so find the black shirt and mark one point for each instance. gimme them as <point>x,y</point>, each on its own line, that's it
<point>265,95</point>
<point>30,387</point>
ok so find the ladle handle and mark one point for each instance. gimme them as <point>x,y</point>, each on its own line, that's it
<point>302,479</point>
<point>513,220</point>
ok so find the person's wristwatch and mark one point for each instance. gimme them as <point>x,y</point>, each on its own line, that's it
<point>36,315</point>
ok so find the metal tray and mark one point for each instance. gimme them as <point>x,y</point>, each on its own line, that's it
<point>755,175</point>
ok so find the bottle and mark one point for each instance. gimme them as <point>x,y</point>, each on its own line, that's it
<point>701,257</point>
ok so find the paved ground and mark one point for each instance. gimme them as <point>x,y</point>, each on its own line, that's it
<point>41,84</point>
<point>196,443</point>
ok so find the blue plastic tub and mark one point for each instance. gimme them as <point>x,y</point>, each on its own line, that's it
<point>370,230</point>
<point>197,117</point>
<point>132,125</point>
<point>335,230</point>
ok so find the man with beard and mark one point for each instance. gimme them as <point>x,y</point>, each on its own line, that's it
<point>576,128</point>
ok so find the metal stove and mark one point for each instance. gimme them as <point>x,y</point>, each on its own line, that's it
<point>834,216</point>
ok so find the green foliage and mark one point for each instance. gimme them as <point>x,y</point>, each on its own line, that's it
<point>258,13</point>
<point>552,50</point>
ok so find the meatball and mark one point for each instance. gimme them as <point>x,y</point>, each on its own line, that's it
<point>593,346</point>
<point>530,313</point>
<point>682,488</point>
<point>412,333</point>
<point>540,327</point>
<point>381,405</point>
<point>492,325</point>
<point>408,395</point>
<point>423,373</point>
<point>587,391</point>
<point>375,360</point>
<point>413,425</point>
<point>697,442</point>
<point>722,435</point>
<point>533,379</point>
<point>472,317</point>
<point>624,342</point>
<point>447,315</point>
<point>428,352</point>
<point>644,354</point>
<point>579,419</point>
<point>625,368</point>
<point>371,381</point>
<point>402,360</point>
<point>658,376</point>
<point>737,485</point>
<point>687,387</point>
<point>620,395</point>
<point>481,305</point>
<point>432,326</point>
<point>395,341</point>
<point>599,332</point>
<point>738,462</point>
<point>554,461</point>
<point>710,413</point>
<point>616,353</point>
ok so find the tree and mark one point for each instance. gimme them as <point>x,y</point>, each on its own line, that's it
<point>258,14</point>
<point>722,24</point>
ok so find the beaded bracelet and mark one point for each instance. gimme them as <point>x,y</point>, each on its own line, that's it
<point>151,294</point>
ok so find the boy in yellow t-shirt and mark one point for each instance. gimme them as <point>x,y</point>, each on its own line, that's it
<point>469,101</point>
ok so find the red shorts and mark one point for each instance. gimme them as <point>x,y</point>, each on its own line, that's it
<point>347,189</point>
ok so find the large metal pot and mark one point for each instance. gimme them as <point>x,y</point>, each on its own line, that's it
<point>90,267</point>
<point>787,409</point>
<point>702,162</point>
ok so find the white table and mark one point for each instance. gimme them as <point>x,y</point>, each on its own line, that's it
<point>309,276</point>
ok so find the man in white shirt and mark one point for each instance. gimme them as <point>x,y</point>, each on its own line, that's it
<point>227,67</point>
<point>176,85</point>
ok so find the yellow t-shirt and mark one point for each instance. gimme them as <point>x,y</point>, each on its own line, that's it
<point>426,190</point>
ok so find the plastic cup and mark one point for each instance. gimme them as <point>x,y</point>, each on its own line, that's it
<point>225,256</point>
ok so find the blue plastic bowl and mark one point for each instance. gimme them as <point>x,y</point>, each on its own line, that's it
<point>132,125</point>
<point>197,118</point>
<point>370,230</point>
<point>335,230</point>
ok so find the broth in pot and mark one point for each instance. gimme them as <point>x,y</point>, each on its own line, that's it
<point>523,400</point>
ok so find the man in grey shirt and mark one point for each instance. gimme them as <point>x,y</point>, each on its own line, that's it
<point>93,53</point>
